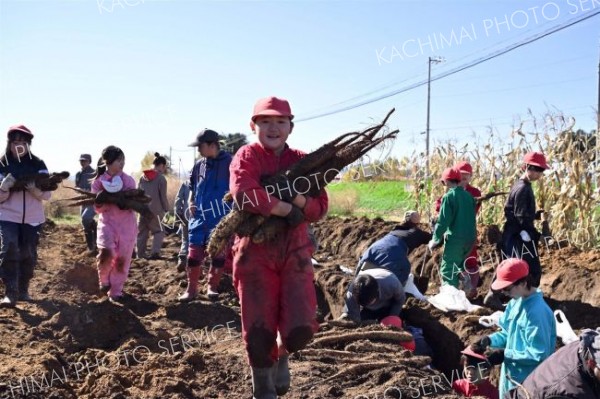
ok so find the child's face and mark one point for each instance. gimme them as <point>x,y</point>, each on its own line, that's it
<point>465,179</point>
<point>161,167</point>
<point>476,373</point>
<point>116,166</point>
<point>272,131</point>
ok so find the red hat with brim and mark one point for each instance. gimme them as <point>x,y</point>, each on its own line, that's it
<point>20,129</point>
<point>464,167</point>
<point>469,352</point>
<point>451,174</point>
<point>536,159</point>
<point>272,106</point>
<point>510,271</point>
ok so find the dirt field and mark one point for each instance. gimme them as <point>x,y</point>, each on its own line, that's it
<point>73,343</point>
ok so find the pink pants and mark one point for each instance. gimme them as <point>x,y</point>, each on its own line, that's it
<point>115,247</point>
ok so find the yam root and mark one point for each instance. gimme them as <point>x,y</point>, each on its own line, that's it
<point>308,176</point>
<point>388,336</point>
<point>134,199</point>
<point>43,181</point>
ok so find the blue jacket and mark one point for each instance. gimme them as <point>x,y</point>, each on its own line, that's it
<point>389,253</point>
<point>528,337</point>
<point>209,181</point>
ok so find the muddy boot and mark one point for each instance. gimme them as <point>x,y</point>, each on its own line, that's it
<point>24,292</point>
<point>181,263</point>
<point>214,278</point>
<point>263,384</point>
<point>193,275</point>
<point>492,301</point>
<point>90,241</point>
<point>282,376</point>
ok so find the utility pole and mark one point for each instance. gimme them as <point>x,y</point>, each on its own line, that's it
<point>598,117</point>
<point>435,60</point>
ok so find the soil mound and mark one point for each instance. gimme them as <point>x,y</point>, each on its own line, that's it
<point>72,343</point>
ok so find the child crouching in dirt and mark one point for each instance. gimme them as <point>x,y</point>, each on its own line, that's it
<point>476,370</point>
<point>373,295</point>
<point>274,280</point>
<point>117,229</point>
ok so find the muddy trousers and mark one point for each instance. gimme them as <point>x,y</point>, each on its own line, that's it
<point>18,256</point>
<point>147,225</point>
<point>455,253</point>
<point>113,267</point>
<point>274,299</point>
<point>472,266</point>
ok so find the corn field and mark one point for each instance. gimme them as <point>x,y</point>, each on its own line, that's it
<point>567,193</point>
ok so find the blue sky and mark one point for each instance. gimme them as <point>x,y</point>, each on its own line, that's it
<point>148,75</point>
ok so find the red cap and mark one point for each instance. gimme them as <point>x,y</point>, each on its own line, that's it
<point>469,352</point>
<point>536,159</point>
<point>464,167</point>
<point>393,321</point>
<point>451,174</point>
<point>272,106</point>
<point>19,128</point>
<point>509,271</point>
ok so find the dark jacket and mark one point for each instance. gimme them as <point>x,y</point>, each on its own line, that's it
<point>520,210</point>
<point>391,251</point>
<point>83,178</point>
<point>560,376</point>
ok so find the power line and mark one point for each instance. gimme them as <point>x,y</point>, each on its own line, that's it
<point>466,66</point>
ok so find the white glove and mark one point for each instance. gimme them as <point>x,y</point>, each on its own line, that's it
<point>525,236</point>
<point>7,182</point>
<point>433,244</point>
<point>33,190</point>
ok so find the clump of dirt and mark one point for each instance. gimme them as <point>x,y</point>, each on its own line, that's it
<point>72,343</point>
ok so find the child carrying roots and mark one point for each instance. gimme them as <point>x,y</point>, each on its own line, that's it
<point>117,228</point>
<point>274,279</point>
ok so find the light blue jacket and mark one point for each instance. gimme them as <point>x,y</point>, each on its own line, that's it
<point>528,337</point>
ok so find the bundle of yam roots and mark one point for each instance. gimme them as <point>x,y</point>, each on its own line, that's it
<point>43,181</point>
<point>308,176</point>
<point>134,199</point>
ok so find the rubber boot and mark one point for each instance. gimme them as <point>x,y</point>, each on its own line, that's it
<point>193,275</point>
<point>24,292</point>
<point>90,241</point>
<point>282,376</point>
<point>181,263</point>
<point>492,301</point>
<point>263,383</point>
<point>214,278</point>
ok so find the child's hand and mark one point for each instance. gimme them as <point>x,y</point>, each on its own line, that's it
<point>280,187</point>
<point>496,357</point>
<point>295,217</point>
<point>101,197</point>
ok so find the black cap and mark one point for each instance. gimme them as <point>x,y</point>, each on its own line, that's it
<point>205,136</point>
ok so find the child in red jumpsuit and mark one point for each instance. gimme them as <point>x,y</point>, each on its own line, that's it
<point>274,280</point>
<point>117,228</point>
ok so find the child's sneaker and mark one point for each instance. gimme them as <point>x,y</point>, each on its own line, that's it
<point>116,299</point>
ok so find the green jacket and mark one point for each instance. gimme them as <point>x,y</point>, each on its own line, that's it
<point>457,216</point>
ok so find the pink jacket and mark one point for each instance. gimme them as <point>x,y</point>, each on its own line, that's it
<point>22,207</point>
<point>110,213</point>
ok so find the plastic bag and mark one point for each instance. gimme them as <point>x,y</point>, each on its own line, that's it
<point>451,298</point>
